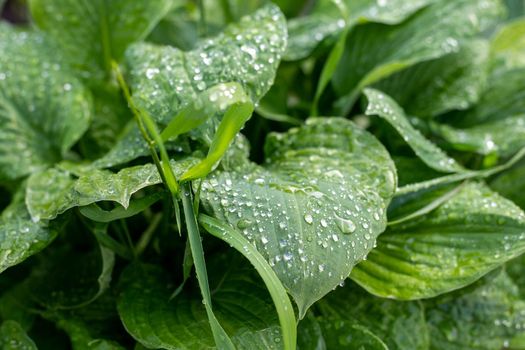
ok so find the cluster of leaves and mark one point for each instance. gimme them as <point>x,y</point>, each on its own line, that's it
<point>120,143</point>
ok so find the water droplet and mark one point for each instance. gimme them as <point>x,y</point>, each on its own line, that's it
<point>309,219</point>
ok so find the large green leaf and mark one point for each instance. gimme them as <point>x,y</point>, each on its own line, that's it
<point>165,80</point>
<point>91,33</point>
<point>325,20</point>
<point>54,191</point>
<point>400,325</point>
<point>44,110</point>
<point>341,334</point>
<point>316,206</point>
<point>68,278</point>
<point>454,81</point>
<point>433,32</point>
<point>13,337</point>
<point>457,243</point>
<point>484,316</point>
<point>242,305</point>
<point>20,236</point>
<point>383,106</point>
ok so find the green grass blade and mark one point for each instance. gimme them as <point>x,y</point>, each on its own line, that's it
<point>274,285</point>
<point>222,339</point>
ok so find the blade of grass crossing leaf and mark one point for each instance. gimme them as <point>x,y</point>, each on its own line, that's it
<point>215,99</point>
<point>274,285</point>
<point>145,124</point>
<point>329,69</point>
<point>230,125</point>
<point>221,338</point>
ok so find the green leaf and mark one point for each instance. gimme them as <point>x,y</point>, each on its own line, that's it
<point>164,79</point>
<point>453,81</point>
<point>13,337</point>
<point>44,110</point>
<point>274,286</point>
<point>400,325</point>
<point>325,21</point>
<point>316,206</point>
<point>484,316</point>
<point>446,249</point>
<point>20,236</point>
<point>383,106</point>
<point>92,33</point>
<point>54,191</point>
<point>241,303</point>
<point>69,279</point>
<point>433,32</point>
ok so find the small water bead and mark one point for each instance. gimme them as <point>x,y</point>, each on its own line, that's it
<point>309,219</point>
<point>324,223</point>
<point>151,72</point>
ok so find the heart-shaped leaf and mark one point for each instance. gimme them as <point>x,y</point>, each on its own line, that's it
<point>241,304</point>
<point>316,206</point>
<point>165,80</point>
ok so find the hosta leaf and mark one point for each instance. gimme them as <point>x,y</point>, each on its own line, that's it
<point>54,191</point>
<point>93,32</point>
<point>165,79</point>
<point>68,279</point>
<point>241,304</point>
<point>454,81</point>
<point>13,337</point>
<point>316,206</point>
<point>484,316</point>
<point>400,325</point>
<point>43,109</point>
<point>433,32</point>
<point>20,236</point>
<point>383,106</point>
<point>450,247</point>
<point>307,32</point>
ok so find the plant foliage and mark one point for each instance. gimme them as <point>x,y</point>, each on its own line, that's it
<point>198,174</point>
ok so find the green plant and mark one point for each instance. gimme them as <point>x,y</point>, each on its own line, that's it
<point>381,150</point>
